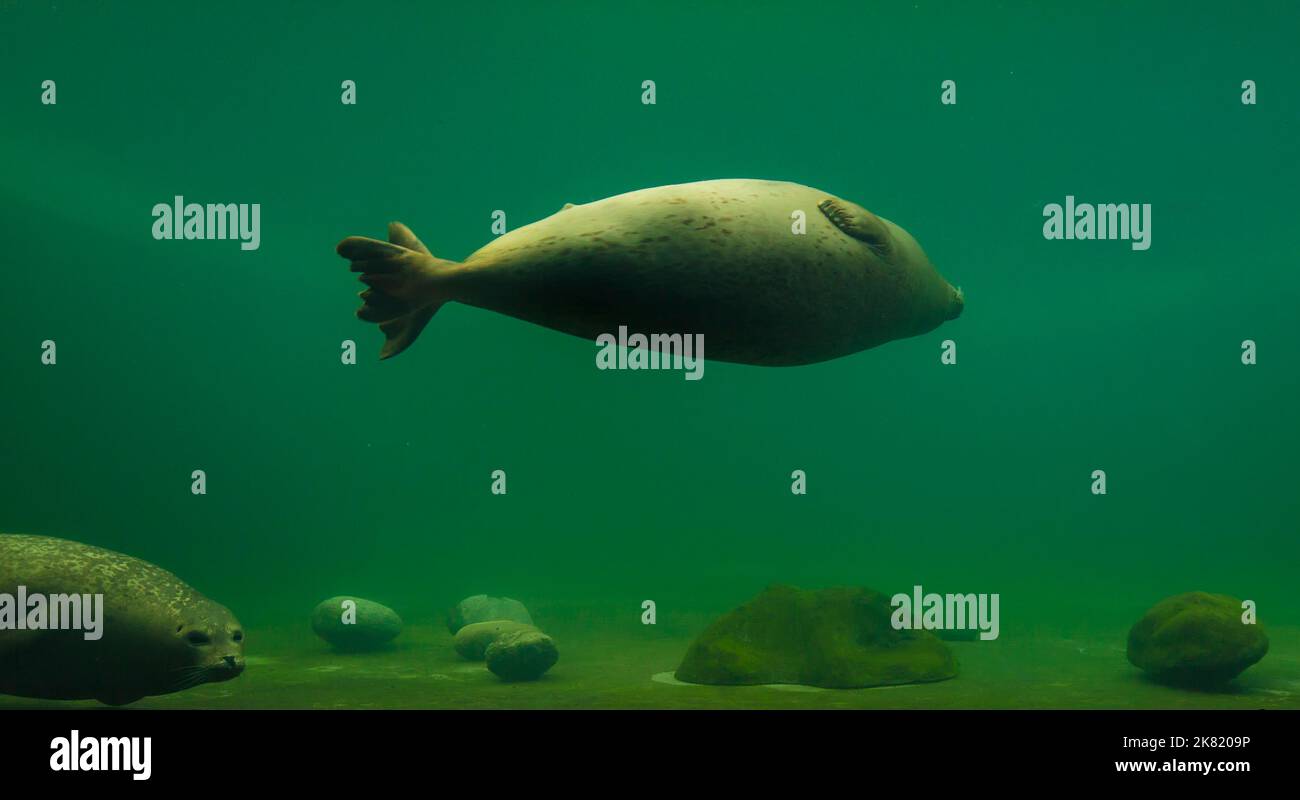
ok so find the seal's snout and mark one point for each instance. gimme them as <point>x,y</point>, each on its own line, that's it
<point>228,667</point>
<point>958,304</point>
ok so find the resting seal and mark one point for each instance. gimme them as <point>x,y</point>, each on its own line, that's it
<point>714,258</point>
<point>157,634</point>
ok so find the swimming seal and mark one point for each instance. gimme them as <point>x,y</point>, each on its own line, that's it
<point>156,634</point>
<point>725,259</point>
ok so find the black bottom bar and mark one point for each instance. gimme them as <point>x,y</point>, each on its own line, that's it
<point>334,749</point>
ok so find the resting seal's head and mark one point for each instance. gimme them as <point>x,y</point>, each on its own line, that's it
<point>143,631</point>
<point>207,646</point>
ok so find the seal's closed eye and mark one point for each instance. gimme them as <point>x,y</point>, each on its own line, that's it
<point>859,223</point>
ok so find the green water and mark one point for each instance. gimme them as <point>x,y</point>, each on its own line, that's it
<point>374,479</point>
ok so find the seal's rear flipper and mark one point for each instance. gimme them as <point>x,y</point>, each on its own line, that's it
<point>400,332</point>
<point>403,277</point>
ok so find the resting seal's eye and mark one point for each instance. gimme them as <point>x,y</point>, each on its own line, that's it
<point>237,636</point>
<point>197,638</point>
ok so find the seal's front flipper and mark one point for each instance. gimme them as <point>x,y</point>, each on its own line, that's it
<point>859,223</point>
<point>404,279</point>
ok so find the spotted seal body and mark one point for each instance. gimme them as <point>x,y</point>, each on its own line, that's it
<point>157,634</point>
<point>769,272</point>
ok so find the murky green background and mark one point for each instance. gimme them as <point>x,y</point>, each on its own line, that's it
<point>374,479</point>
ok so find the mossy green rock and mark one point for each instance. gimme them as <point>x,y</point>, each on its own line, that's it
<point>838,638</point>
<point>473,640</point>
<point>353,623</point>
<point>522,655</point>
<point>484,608</point>
<point>1196,639</point>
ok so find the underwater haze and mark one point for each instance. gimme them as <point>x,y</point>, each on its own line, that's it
<point>375,479</point>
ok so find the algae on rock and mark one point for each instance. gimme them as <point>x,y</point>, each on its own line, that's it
<point>838,638</point>
<point>1196,639</point>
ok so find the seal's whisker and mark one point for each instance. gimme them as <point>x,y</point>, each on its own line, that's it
<point>186,680</point>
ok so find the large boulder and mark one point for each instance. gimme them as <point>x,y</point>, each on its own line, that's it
<point>521,655</point>
<point>837,638</point>
<point>472,641</point>
<point>352,623</point>
<point>482,608</point>
<point>1196,639</point>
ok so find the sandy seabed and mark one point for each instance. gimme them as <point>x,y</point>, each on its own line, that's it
<point>631,668</point>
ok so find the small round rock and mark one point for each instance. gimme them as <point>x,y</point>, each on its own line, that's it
<point>353,623</point>
<point>472,641</point>
<point>522,655</point>
<point>484,608</point>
